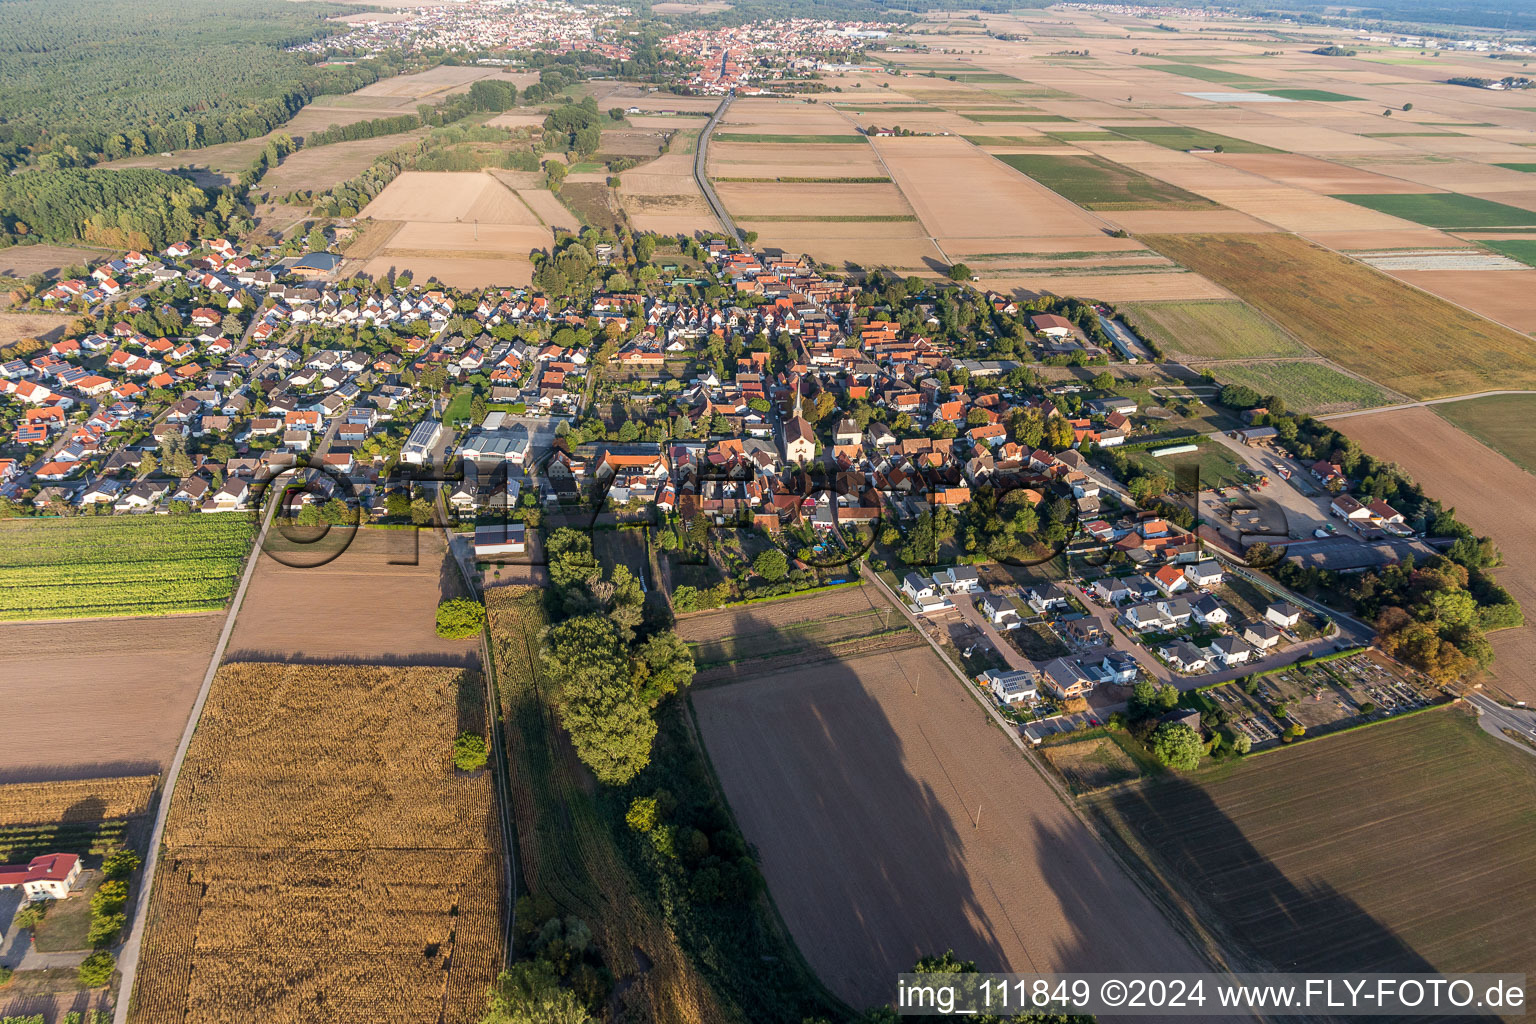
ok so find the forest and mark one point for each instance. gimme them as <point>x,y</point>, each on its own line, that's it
<point>98,80</point>
<point>134,208</point>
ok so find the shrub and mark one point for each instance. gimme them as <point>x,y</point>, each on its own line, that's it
<point>469,752</point>
<point>31,915</point>
<point>105,928</point>
<point>109,898</point>
<point>5,975</point>
<point>119,864</point>
<point>459,618</point>
<point>96,970</point>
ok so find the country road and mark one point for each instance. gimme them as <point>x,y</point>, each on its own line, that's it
<point>1421,405</point>
<point>700,158</point>
<point>1495,718</point>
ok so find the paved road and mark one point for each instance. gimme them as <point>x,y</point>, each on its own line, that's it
<point>1495,718</point>
<point>700,158</point>
<point>128,956</point>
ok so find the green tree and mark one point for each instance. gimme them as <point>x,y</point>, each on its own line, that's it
<point>664,665</point>
<point>959,272</point>
<point>771,564</point>
<point>96,970</point>
<point>120,864</point>
<point>459,618</point>
<point>1177,746</point>
<point>469,752</point>
<point>594,692</point>
<point>1104,381</point>
<point>529,992</point>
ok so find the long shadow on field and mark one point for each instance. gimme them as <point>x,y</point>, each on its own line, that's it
<point>1258,912</point>
<point>78,770</point>
<point>862,856</point>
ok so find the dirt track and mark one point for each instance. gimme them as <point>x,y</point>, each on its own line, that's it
<point>862,798</point>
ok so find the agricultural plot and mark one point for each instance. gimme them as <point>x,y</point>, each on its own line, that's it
<point>1181,137</point>
<point>1299,858</point>
<point>1446,210</point>
<point>1362,319</point>
<point>1313,95</point>
<point>123,565</point>
<point>1212,330</point>
<point>44,326</point>
<point>887,752</point>
<point>1503,296</point>
<point>1091,765</point>
<point>1099,184</point>
<point>75,801</point>
<point>1522,249</point>
<point>1306,385</point>
<point>147,670</point>
<point>375,602</point>
<point>1418,440</point>
<point>295,873</point>
<point>732,643</point>
<point>1505,423</point>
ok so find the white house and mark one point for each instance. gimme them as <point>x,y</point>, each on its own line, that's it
<point>1118,667</point>
<point>1011,687</point>
<point>1262,635</point>
<point>1046,597</point>
<point>48,877</point>
<point>1210,612</point>
<point>917,587</point>
<point>962,578</point>
<point>1182,655</point>
<point>1283,614</point>
<point>1204,574</point>
<point>1146,617</point>
<point>1228,651</point>
<point>1346,507</point>
<point>999,611</point>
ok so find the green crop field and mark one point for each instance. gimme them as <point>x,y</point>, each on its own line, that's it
<point>1099,184</point>
<point>787,140</point>
<point>1505,423</point>
<point>1356,852</point>
<point>1179,137</point>
<point>1527,168</point>
<point>1214,329</point>
<point>1219,465</point>
<point>1052,118</point>
<point>1446,210</point>
<point>1306,386</point>
<point>1205,74</point>
<point>1012,140</point>
<point>1522,249</point>
<point>120,565</point>
<point>1313,95</point>
<point>1057,135</point>
<point>1410,341</point>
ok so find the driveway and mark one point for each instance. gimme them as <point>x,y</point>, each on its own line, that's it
<point>966,605</point>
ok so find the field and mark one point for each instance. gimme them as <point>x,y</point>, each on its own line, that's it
<point>1098,184</point>
<point>1446,210</point>
<point>1219,465</point>
<point>734,642</point>
<point>1522,249</point>
<point>887,752</point>
<point>1364,320</point>
<point>1505,423</point>
<point>375,603</point>
<point>1304,858</point>
<point>1501,296</point>
<point>1490,493</point>
<point>136,565</point>
<point>23,261</point>
<point>465,229</point>
<point>1091,765</point>
<point>295,873</point>
<point>1212,330</point>
<point>1179,137</point>
<point>566,850</point>
<point>1309,386</point>
<point>319,168</point>
<point>47,326</point>
<point>75,801</point>
<point>146,670</point>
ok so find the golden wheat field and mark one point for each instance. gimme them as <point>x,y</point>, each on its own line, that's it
<point>322,852</point>
<point>31,803</point>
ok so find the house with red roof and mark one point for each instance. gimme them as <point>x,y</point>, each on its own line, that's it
<point>48,877</point>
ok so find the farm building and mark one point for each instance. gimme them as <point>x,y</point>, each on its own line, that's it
<point>418,447</point>
<point>499,539</point>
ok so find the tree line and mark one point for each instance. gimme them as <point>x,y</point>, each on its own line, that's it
<point>135,208</point>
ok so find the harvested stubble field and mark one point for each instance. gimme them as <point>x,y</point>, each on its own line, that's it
<point>22,261</point>
<point>1319,176</point>
<point>46,326</point>
<point>324,166</point>
<point>565,849</point>
<point>120,565</point>
<point>1091,765</point>
<point>297,874</point>
<point>1212,330</point>
<point>1307,385</point>
<point>734,643</point>
<point>888,753</point>
<point>1505,298</point>
<point>1363,320</point>
<point>1306,858</point>
<point>1490,493</point>
<point>375,603</point>
<point>147,670</point>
